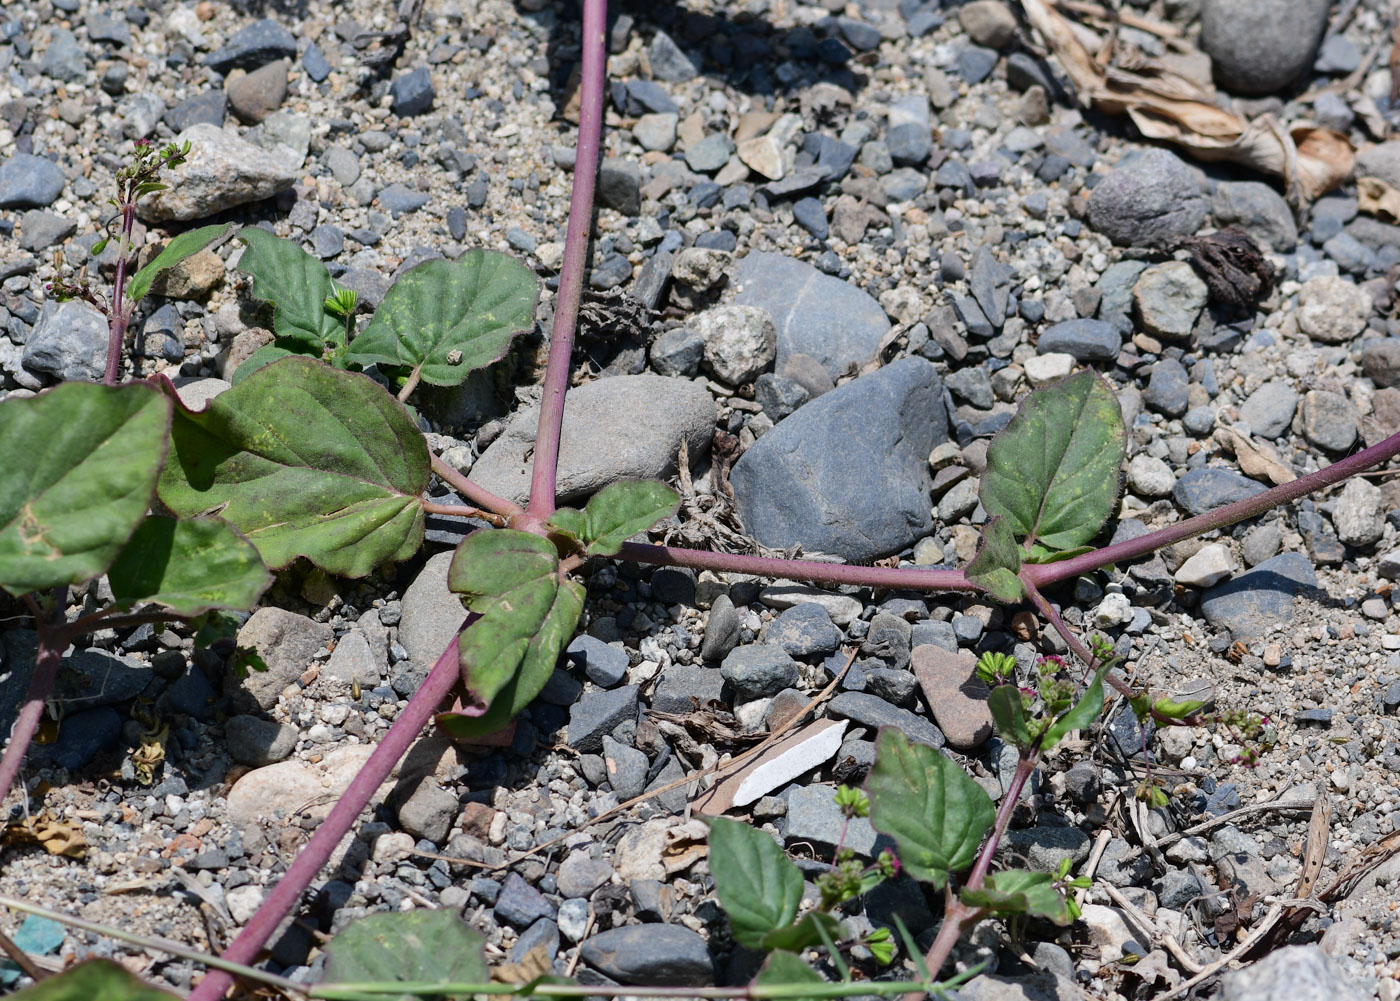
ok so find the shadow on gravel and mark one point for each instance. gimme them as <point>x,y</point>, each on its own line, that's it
<point>750,54</point>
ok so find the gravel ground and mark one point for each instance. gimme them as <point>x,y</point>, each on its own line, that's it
<point>850,238</point>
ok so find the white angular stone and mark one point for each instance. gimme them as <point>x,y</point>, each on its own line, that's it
<point>1041,370</point>
<point>740,341</point>
<point>1150,477</point>
<point>1210,565</point>
<point>1114,610</point>
<point>223,170</point>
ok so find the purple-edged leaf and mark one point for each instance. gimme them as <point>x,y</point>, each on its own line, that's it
<point>936,814</point>
<point>185,245</point>
<point>1017,891</point>
<point>269,353</point>
<point>81,463</point>
<point>1052,472</point>
<point>297,286</point>
<point>95,980</point>
<point>305,460</point>
<point>448,318</point>
<point>189,566</point>
<point>511,579</point>
<point>997,563</point>
<point>423,946</point>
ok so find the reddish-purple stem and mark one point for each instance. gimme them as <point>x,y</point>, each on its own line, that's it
<point>310,860</point>
<point>561,341</point>
<point>957,915</point>
<point>478,495</point>
<point>120,315</point>
<point>27,723</point>
<point>826,573</point>
<point>52,643</point>
<point>1046,574</point>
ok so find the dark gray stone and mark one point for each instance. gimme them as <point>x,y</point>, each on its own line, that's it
<point>208,107</point>
<point>813,817</point>
<point>162,335</point>
<point>620,185</point>
<point>1151,199</point>
<point>1257,209</point>
<point>683,688</point>
<point>107,26</point>
<point>626,769</point>
<point>313,60</point>
<point>520,904</point>
<point>816,314</point>
<point>412,94</point>
<point>873,711</point>
<point>1248,604</point>
<point>661,955</point>
<point>811,216</point>
<point>64,59</point>
<point>83,735</point>
<point>256,45</point>
<point>398,199</point>
<point>599,713</point>
<point>1084,339</point>
<point>69,341</point>
<point>605,664</point>
<point>1166,392</point>
<point>1045,847</point>
<point>544,934</point>
<point>1201,490</point>
<point>252,740</point>
<point>668,62</point>
<point>192,695</point>
<point>28,181</point>
<point>778,395</point>
<point>759,670</point>
<point>1269,409</point>
<point>848,473</point>
<point>990,282</point>
<point>41,229</point>
<point>721,629</point>
<point>1260,46</point>
<point>803,630</point>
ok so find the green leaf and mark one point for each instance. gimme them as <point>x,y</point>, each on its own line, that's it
<point>81,462</point>
<point>569,522</point>
<point>616,513</point>
<point>806,933</point>
<point>1081,714</point>
<point>936,814</point>
<point>1053,471</point>
<point>787,968</point>
<point>448,318</point>
<point>305,460</point>
<point>189,566</point>
<point>295,283</point>
<point>266,355</point>
<point>758,885</point>
<point>95,980</point>
<point>1039,554</point>
<point>1009,714</point>
<point>1017,891</point>
<point>185,245</point>
<point>997,562</point>
<point>406,947</point>
<point>511,579</point>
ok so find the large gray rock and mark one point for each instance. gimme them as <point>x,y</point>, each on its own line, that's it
<point>432,612</point>
<point>87,679</point>
<point>625,426</point>
<point>847,474</point>
<point>29,181</point>
<point>1259,46</point>
<point>69,342</point>
<point>1257,209</point>
<point>655,954</point>
<point>1248,604</point>
<point>833,321</point>
<point>1295,971</point>
<point>286,642</point>
<point>1148,200</point>
<point>223,171</point>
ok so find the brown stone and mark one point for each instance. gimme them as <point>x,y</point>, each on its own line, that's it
<point>955,695</point>
<point>244,344</point>
<point>193,278</point>
<point>258,94</point>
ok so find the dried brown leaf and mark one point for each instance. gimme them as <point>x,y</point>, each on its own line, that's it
<point>1167,106</point>
<point>533,965</point>
<point>1375,197</point>
<point>1256,460</point>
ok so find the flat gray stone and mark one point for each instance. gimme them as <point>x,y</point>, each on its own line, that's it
<point>816,314</point>
<point>1250,603</point>
<point>432,613</point>
<point>1289,974</point>
<point>847,474</point>
<point>657,414</point>
<point>661,955</point>
<point>286,642</point>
